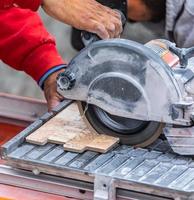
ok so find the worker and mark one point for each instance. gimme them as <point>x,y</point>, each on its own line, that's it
<point>26,45</point>
<point>177,14</point>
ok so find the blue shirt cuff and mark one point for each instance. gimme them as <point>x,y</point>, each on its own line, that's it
<point>48,73</point>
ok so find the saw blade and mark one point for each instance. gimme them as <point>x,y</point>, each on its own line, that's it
<point>132,132</point>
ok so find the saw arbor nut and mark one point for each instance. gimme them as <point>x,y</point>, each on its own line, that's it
<point>66,80</point>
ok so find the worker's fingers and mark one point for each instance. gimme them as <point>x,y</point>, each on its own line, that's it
<point>114,28</point>
<point>60,97</point>
<point>118,28</point>
<point>54,101</point>
<point>105,29</point>
<point>111,28</point>
<point>100,30</point>
<point>112,22</point>
<point>116,20</point>
<point>53,97</point>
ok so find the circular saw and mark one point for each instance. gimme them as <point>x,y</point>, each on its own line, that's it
<point>131,91</point>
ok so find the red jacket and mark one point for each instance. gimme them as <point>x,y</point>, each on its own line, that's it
<point>24,42</point>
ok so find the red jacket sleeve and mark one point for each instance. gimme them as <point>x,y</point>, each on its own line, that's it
<point>30,4</point>
<point>25,44</point>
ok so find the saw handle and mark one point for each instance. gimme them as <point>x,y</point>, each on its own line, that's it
<point>88,38</point>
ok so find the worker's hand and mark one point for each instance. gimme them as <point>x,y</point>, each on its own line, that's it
<point>50,91</point>
<point>88,15</point>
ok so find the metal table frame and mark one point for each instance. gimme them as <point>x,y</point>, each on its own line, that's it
<point>97,176</point>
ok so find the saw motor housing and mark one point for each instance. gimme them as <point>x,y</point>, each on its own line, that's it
<point>130,80</point>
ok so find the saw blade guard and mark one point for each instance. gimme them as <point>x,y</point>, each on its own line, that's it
<point>124,78</point>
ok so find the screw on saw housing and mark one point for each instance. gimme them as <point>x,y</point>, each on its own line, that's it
<point>89,38</point>
<point>183,53</point>
<point>66,80</point>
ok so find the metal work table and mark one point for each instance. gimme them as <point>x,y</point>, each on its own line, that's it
<point>122,173</point>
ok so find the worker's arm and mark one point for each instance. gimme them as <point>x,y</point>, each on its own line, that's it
<point>26,45</point>
<point>86,15</point>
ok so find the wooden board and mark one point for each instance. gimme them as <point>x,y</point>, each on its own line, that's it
<point>69,129</point>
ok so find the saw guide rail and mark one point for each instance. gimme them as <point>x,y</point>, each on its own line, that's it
<point>155,172</point>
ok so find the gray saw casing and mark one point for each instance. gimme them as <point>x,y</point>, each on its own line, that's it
<point>130,80</point>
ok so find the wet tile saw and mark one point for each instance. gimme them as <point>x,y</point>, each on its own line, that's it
<point>134,91</point>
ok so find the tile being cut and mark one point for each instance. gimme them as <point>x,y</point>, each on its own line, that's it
<point>68,128</point>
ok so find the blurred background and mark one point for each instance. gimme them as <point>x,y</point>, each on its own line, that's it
<point>14,82</point>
